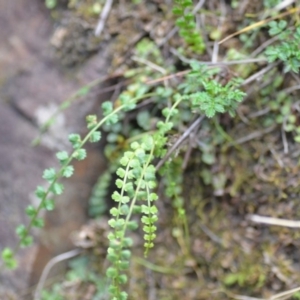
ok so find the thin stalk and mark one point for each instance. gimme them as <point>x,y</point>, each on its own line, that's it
<point>68,161</point>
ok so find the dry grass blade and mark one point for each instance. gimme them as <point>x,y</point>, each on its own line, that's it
<point>103,17</point>
<point>274,221</point>
<point>48,267</point>
<point>285,295</point>
<point>260,23</point>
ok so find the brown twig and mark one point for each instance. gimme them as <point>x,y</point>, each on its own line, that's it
<point>179,141</point>
<point>260,23</point>
<point>49,266</point>
<point>212,64</point>
<point>103,17</point>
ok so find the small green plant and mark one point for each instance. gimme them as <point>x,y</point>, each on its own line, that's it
<point>213,97</point>
<point>287,50</point>
<point>50,4</point>
<point>136,181</point>
<point>135,146</point>
<point>173,182</point>
<point>270,3</point>
<point>296,295</point>
<point>97,201</point>
<point>251,276</point>
<point>187,25</point>
<point>46,195</point>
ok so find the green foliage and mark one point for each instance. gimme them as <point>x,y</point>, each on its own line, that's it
<point>287,50</point>
<point>50,4</point>
<point>296,295</point>
<point>271,3</point>
<point>187,25</point>
<point>213,97</point>
<point>249,276</point>
<point>51,176</point>
<point>173,182</point>
<point>97,201</point>
<point>147,49</point>
<point>280,105</point>
<point>136,180</point>
<point>80,272</point>
<point>8,258</point>
<point>136,183</point>
<point>133,151</point>
<point>53,294</point>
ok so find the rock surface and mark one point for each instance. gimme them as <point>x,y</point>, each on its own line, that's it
<point>30,82</point>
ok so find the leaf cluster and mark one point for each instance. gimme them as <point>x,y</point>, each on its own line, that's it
<point>207,95</point>
<point>187,25</point>
<point>287,50</point>
<point>46,195</point>
<point>136,179</point>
